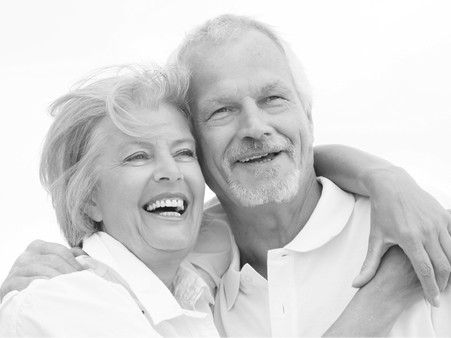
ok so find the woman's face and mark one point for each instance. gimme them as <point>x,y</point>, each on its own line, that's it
<point>151,190</point>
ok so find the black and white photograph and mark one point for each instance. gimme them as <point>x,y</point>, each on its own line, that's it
<point>225,168</point>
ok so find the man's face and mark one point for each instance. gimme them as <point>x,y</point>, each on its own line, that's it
<point>254,138</point>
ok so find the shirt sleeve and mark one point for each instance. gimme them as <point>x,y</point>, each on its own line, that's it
<point>76,304</point>
<point>441,316</point>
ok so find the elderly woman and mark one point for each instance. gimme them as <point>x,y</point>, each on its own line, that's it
<point>120,164</point>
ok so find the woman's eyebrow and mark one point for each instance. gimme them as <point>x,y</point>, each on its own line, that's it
<point>182,141</point>
<point>127,143</point>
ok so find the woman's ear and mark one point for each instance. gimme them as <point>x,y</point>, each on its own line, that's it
<point>92,209</point>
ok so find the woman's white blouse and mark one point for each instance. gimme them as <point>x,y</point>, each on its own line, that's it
<point>117,296</point>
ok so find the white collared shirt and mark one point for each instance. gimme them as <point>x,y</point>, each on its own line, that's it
<point>118,296</point>
<point>309,280</point>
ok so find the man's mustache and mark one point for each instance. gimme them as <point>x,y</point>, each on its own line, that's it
<point>246,148</point>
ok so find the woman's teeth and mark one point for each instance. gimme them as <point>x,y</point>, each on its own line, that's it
<point>170,214</point>
<point>176,206</point>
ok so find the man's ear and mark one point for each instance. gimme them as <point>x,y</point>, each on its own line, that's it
<point>92,209</point>
<point>310,125</point>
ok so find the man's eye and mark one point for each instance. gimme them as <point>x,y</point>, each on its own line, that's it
<point>139,156</point>
<point>220,111</point>
<point>273,98</point>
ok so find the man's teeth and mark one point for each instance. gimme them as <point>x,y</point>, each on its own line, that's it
<point>175,203</point>
<point>247,159</point>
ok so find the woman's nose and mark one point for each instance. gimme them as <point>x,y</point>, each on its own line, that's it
<point>167,170</point>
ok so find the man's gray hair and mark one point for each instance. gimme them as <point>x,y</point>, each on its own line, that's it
<point>69,168</point>
<point>226,27</point>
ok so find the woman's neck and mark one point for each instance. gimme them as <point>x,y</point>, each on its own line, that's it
<point>165,265</point>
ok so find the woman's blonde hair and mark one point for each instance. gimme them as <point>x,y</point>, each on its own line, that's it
<point>69,169</point>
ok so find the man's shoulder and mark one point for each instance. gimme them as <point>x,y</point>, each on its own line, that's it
<point>213,210</point>
<point>215,233</point>
<point>212,252</point>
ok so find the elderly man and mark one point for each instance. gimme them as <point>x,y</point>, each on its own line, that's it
<point>299,238</point>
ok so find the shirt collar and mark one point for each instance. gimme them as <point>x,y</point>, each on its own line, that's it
<point>232,278</point>
<point>328,219</point>
<point>150,290</point>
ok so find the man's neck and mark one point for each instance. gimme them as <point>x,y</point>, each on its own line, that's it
<point>270,226</point>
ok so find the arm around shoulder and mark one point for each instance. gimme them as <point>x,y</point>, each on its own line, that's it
<point>78,304</point>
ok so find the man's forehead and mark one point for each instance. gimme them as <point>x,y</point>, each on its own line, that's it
<point>228,90</point>
<point>250,42</point>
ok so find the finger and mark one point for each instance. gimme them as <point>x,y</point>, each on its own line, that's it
<point>31,262</point>
<point>19,283</point>
<point>376,249</point>
<point>76,251</point>
<point>46,248</point>
<point>445,242</point>
<point>60,264</point>
<point>424,270</point>
<point>34,270</point>
<point>439,260</point>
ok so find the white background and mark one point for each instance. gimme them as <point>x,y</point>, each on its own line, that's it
<point>381,73</point>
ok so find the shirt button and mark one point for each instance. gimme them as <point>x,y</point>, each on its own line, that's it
<point>280,310</point>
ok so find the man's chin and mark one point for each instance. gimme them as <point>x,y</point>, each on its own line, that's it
<point>277,191</point>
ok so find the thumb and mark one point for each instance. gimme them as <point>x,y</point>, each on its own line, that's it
<point>76,251</point>
<point>376,249</point>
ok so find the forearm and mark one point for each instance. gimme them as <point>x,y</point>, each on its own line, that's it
<point>375,307</point>
<point>351,169</point>
<point>367,315</point>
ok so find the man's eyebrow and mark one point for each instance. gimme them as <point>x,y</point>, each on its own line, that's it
<point>278,86</point>
<point>225,99</point>
<point>217,100</point>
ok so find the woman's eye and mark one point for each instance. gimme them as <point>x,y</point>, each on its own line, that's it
<point>186,153</point>
<point>137,157</point>
<point>273,98</point>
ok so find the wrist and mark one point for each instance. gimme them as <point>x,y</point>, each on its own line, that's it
<point>385,300</point>
<point>369,314</point>
<point>384,180</point>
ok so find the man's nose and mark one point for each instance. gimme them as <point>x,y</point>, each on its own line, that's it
<point>167,169</point>
<point>253,123</point>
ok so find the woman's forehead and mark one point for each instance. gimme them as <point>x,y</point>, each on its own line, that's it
<point>147,125</point>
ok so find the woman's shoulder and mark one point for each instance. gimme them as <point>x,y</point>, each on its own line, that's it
<point>76,287</point>
<point>64,305</point>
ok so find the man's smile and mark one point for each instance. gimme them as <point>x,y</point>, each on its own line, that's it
<point>261,158</point>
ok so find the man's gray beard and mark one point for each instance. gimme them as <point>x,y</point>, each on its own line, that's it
<point>272,191</point>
